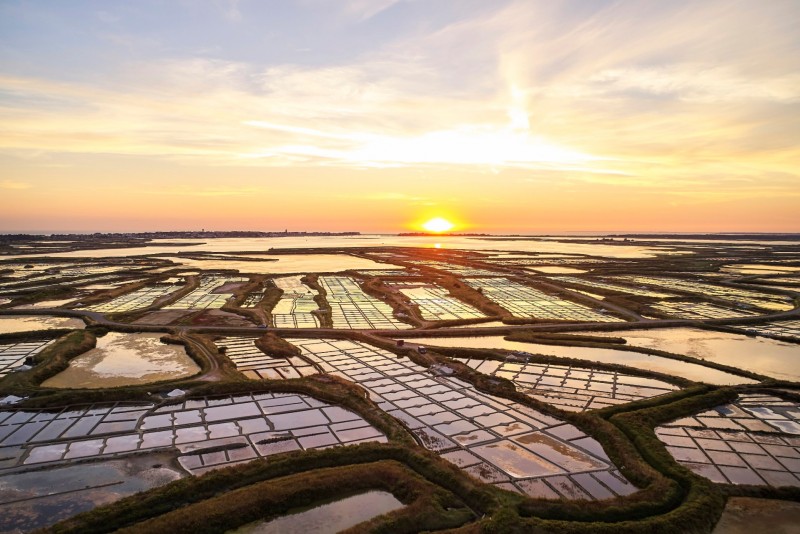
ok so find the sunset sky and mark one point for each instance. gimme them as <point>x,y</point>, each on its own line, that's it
<point>376,115</point>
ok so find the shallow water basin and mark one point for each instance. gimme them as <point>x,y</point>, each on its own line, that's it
<point>123,360</point>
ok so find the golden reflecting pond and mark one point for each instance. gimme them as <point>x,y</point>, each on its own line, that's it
<point>125,360</point>
<point>287,263</point>
<point>24,323</point>
<point>761,355</point>
<point>543,245</point>
<point>638,360</point>
<point>555,269</point>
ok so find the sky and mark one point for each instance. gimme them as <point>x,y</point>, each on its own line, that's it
<point>376,115</point>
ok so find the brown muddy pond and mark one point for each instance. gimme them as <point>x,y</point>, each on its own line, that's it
<point>761,355</point>
<point>23,323</point>
<point>327,518</point>
<point>125,360</point>
<point>637,360</point>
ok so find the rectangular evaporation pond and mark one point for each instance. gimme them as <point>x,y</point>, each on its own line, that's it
<point>327,518</point>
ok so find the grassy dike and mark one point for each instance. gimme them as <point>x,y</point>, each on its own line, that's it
<point>409,475</point>
<point>428,507</point>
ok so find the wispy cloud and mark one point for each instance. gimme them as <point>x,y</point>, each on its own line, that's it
<point>12,184</point>
<point>230,191</point>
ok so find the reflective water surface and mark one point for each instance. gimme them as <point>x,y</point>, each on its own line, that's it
<point>37,499</point>
<point>327,518</point>
<point>124,360</point>
<point>744,515</point>
<point>24,323</point>
<point>467,243</point>
<point>638,360</point>
<point>761,355</point>
<point>294,263</point>
<point>554,269</point>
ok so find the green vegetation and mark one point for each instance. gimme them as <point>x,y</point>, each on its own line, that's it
<point>49,362</point>
<point>428,507</point>
<point>360,467</point>
<point>473,297</point>
<point>563,339</point>
<point>399,303</point>
<point>324,315</point>
<point>272,294</point>
<point>276,346</point>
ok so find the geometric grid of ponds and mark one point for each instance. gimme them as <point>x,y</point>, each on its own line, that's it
<point>256,365</point>
<point>611,287</point>
<point>436,304</point>
<point>493,439</point>
<point>571,388</point>
<point>698,310</point>
<point>754,440</point>
<point>208,432</point>
<point>783,328</point>
<point>203,297</point>
<point>524,301</point>
<point>141,298</point>
<point>742,296</point>
<point>23,287</point>
<point>352,308</point>
<point>47,280</point>
<point>12,355</point>
<point>252,299</point>
<point>294,309</point>
<point>54,272</point>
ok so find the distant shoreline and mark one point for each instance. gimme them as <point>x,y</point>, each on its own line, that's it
<point>258,234</point>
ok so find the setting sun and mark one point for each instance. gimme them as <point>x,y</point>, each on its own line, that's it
<point>438,225</point>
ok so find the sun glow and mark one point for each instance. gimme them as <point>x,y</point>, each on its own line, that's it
<point>438,225</point>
